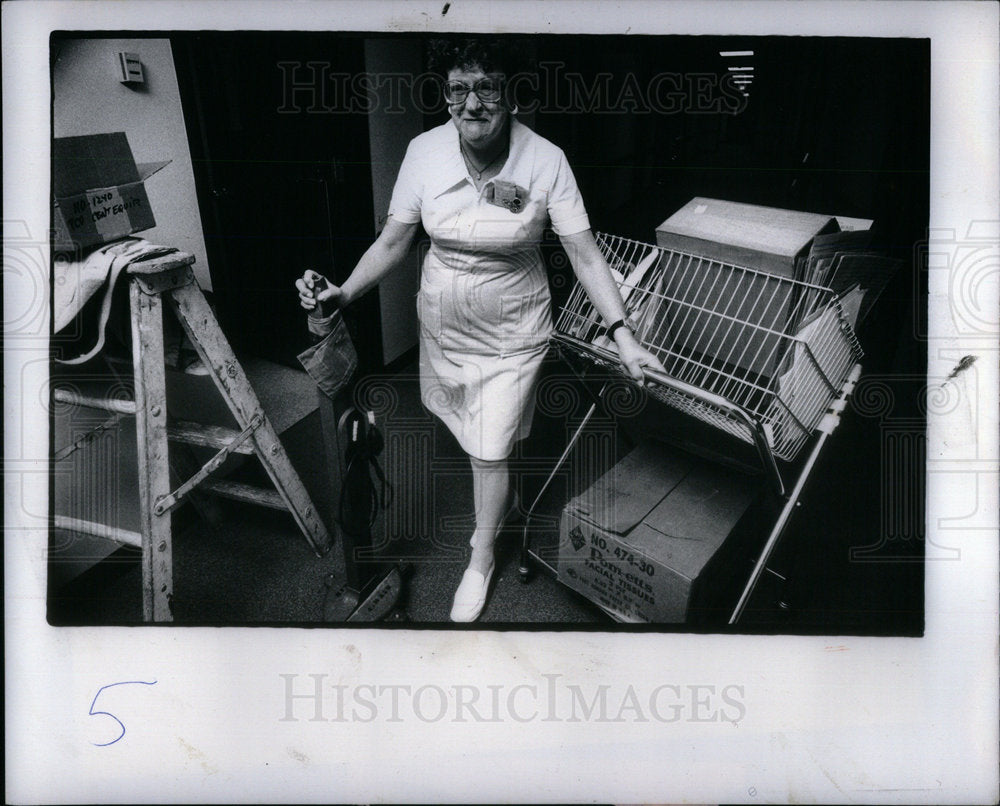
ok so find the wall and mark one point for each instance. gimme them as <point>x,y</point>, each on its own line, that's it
<point>389,134</point>
<point>96,483</point>
<point>89,99</point>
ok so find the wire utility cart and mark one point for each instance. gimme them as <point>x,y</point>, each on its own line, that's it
<point>767,359</point>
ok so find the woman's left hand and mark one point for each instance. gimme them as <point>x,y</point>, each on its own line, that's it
<point>633,356</point>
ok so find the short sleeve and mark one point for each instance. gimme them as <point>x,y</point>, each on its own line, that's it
<point>404,206</point>
<point>565,205</point>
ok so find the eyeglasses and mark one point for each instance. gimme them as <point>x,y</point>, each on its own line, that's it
<point>487,90</point>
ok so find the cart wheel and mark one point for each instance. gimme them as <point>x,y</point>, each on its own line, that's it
<point>524,574</point>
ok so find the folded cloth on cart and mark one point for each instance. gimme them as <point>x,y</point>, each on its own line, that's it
<point>75,282</point>
<point>332,361</point>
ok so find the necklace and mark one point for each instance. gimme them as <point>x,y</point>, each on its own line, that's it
<point>472,166</point>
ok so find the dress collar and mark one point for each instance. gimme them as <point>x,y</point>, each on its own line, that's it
<point>453,171</point>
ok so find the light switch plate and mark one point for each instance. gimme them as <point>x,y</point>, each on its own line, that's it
<point>130,68</point>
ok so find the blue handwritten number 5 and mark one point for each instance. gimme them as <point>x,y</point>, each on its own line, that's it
<point>105,713</point>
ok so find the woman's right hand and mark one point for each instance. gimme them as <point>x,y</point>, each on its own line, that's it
<point>309,295</point>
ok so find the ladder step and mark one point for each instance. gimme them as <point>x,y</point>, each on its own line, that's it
<point>76,399</point>
<point>158,264</point>
<point>244,492</point>
<point>209,436</point>
<point>98,530</point>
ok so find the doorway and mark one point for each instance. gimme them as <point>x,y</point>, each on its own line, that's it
<point>283,172</point>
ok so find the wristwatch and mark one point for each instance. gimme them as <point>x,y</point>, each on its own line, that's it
<point>610,330</point>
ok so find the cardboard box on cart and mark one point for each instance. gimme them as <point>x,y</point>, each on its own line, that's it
<point>98,189</point>
<point>767,240</point>
<point>647,542</point>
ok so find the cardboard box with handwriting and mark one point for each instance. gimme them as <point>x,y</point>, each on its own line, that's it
<point>99,192</point>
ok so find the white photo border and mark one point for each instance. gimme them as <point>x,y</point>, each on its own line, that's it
<point>820,719</point>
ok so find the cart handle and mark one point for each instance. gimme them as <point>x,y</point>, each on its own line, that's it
<point>770,467</point>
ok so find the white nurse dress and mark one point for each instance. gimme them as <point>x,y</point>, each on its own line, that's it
<point>483,303</point>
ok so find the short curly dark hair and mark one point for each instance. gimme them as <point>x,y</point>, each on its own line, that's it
<point>492,55</point>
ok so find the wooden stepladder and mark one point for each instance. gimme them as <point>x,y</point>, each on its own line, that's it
<point>151,282</point>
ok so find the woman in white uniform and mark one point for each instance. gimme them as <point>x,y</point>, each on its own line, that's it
<point>484,186</point>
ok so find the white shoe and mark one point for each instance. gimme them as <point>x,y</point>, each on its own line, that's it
<point>470,598</point>
<point>471,594</point>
